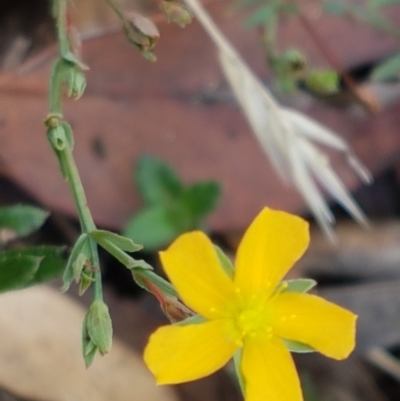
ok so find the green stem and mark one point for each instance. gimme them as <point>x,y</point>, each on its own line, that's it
<point>65,155</point>
<point>85,217</point>
<point>77,190</point>
<point>55,92</point>
<point>117,9</point>
<point>62,26</point>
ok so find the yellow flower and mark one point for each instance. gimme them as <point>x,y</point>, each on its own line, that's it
<point>251,311</point>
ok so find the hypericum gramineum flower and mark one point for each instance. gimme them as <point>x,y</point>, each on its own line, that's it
<point>250,311</point>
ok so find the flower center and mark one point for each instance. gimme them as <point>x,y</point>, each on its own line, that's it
<point>253,322</point>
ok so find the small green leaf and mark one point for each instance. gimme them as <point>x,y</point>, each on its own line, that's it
<point>201,198</point>
<point>79,265</point>
<point>300,285</point>
<point>158,184</point>
<point>335,8</point>
<point>237,358</point>
<point>374,18</point>
<point>85,281</point>
<point>91,351</point>
<point>383,3</point>
<point>71,58</point>
<point>80,247</point>
<point>294,346</point>
<point>68,134</point>
<point>262,16</point>
<point>387,70</point>
<point>122,256</point>
<point>196,319</point>
<point>22,219</point>
<point>17,271</point>
<point>89,348</point>
<point>153,227</point>
<point>226,263</point>
<point>323,82</point>
<point>126,244</point>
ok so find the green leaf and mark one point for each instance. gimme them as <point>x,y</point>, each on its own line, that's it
<point>201,198</point>
<point>336,8</point>
<point>89,348</point>
<point>153,227</point>
<point>126,244</point>
<point>80,247</point>
<point>52,262</point>
<point>383,3</point>
<point>70,57</point>
<point>374,18</point>
<point>388,70</point>
<point>122,256</point>
<point>262,16</point>
<point>323,82</point>
<point>21,268</point>
<point>225,261</point>
<point>300,285</point>
<point>85,281</point>
<point>79,265</point>
<point>22,219</point>
<point>17,271</point>
<point>196,319</point>
<point>294,346</point>
<point>237,359</point>
<point>158,184</point>
<point>68,134</point>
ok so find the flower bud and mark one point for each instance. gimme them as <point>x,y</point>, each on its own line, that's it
<point>76,82</point>
<point>99,327</point>
<point>142,32</point>
<point>56,136</point>
<point>176,13</point>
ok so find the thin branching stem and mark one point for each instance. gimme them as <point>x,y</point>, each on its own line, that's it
<point>65,154</point>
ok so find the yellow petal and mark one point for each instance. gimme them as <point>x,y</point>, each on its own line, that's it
<point>269,372</point>
<point>271,245</point>
<point>176,354</point>
<point>192,265</point>
<point>312,320</point>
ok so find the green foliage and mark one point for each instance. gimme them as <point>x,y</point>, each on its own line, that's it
<point>383,3</point>
<point>294,346</point>
<point>21,268</point>
<point>322,81</point>
<point>267,12</point>
<point>388,70</point>
<point>335,8</point>
<point>79,258</point>
<point>225,262</point>
<point>300,285</point>
<point>24,267</point>
<point>171,207</point>
<point>288,68</point>
<point>262,16</point>
<point>156,182</point>
<point>22,219</point>
<point>368,13</point>
<point>116,245</point>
